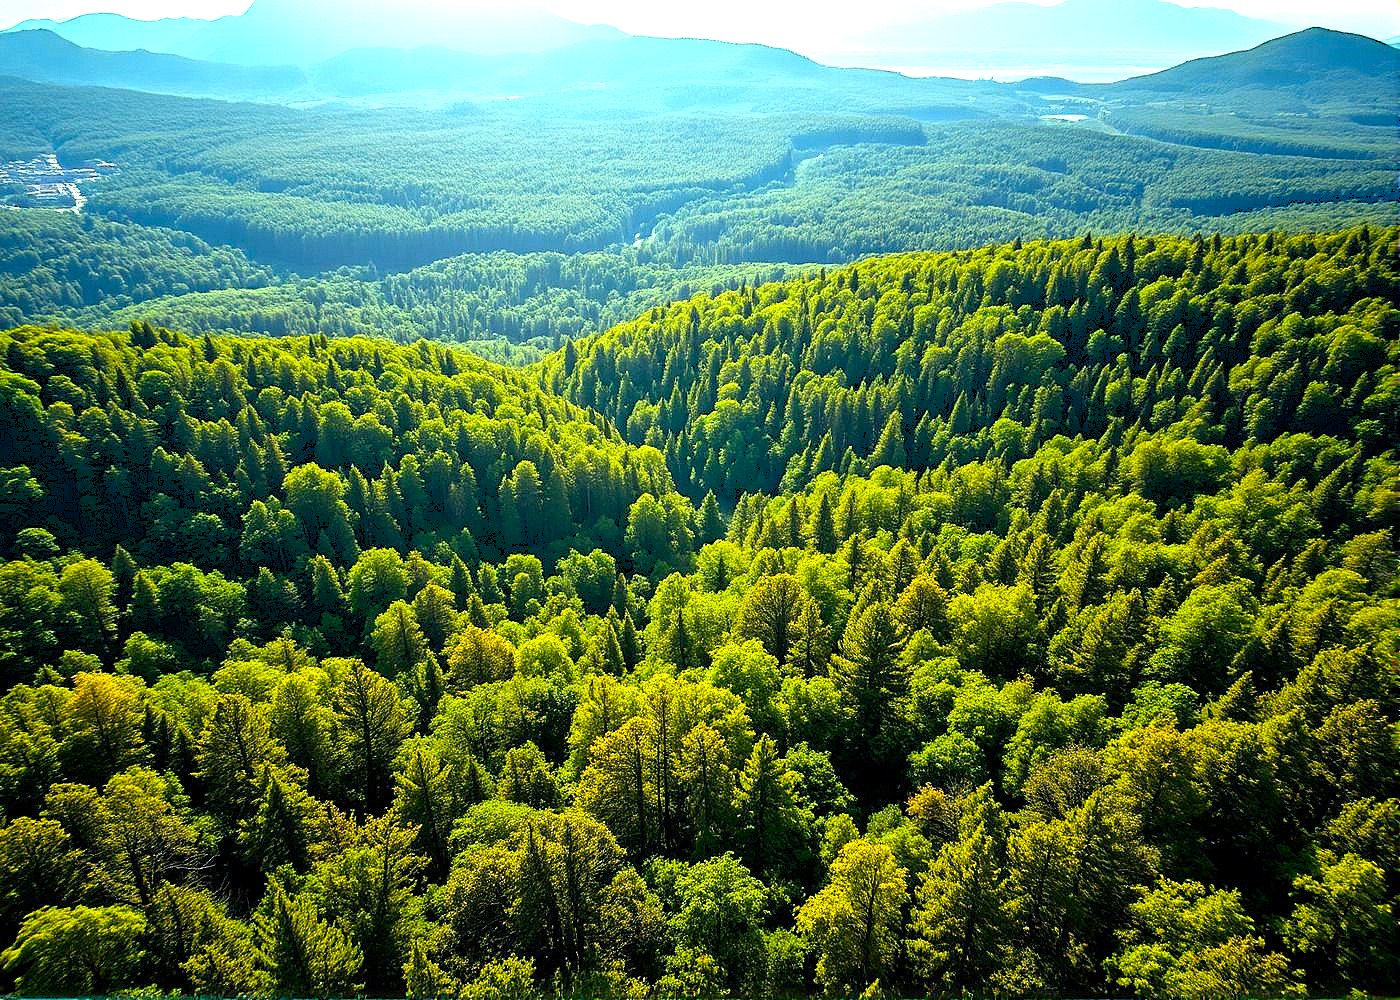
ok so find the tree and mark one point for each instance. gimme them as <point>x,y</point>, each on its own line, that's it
<point>424,798</point>
<point>855,922</point>
<point>889,450</point>
<point>873,683</point>
<point>1344,923</point>
<point>300,954</point>
<point>368,889</point>
<point>708,524</point>
<point>618,786</point>
<point>512,978</point>
<point>719,912</point>
<point>143,839</point>
<point>568,866</point>
<point>234,749</point>
<point>1201,639</point>
<point>998,630</point>
<point>770,614</point>
<point>1188,941</point>
<point>477,657</point>
<point>376,581</point>
<point>771,822</point>
<point>1074,880</point>
<point>77,950</point>
<point>285,828</point>
<point>192,942</point>
<point>399,640</point>
<point>824,537</point>
<point>374,722</point>
<point>923,605</point>
<point>526,777</point>
<point>653,540</point>
<point>811,644</point>
<point>104,718</point>
<point>39,866</point>
<point>317,498</point>
<point>962,919</point>
<point>85,590</point>
<point>706,775</point>
<point>301,721</point>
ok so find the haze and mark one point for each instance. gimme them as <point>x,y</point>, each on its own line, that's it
<point>817,28</point>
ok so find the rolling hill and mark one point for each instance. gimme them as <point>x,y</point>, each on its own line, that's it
<point>1316,65</point>
<point>43,56</point>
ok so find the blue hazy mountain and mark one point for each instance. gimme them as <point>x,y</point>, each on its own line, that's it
<point>1316,64</point>
<point>302,32</point>
<point>44,57</point>
<point>117,33</point>
<point>636,74</point>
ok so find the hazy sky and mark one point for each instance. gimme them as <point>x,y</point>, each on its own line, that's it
<point>808,24</point>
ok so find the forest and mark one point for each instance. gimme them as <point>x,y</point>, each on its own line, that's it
<point>1020,620</point>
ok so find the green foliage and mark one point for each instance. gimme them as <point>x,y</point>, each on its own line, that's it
<point>1022,627</point>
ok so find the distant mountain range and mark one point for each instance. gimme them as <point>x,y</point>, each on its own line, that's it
<point>634,73</point>
<point>1311,67</point>
<point>44,57</point>
<point>303,32</point>
<point>1105,33</point>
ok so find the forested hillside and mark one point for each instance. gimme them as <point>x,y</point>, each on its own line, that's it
<point>1021,619</point>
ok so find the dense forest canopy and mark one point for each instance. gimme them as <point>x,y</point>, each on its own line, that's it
<point>1021,619</point>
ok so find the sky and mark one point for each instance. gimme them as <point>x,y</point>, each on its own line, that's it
<point>806,25</point>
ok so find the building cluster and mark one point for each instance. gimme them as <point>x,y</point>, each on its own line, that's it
<point>46,183</point>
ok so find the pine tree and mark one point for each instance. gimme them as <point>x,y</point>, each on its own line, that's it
<point>300,953</point>
<point>962,920</point>
<point>889,450</point>
<point>773,825</point>
<point>708,525</point>
<point>824,538</point>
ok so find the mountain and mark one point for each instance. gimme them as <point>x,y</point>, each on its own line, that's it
<point>118,33</point>
<point>45,57</point>
<point>1072,33</point>
<point>1316,63</point>
<point>625,75</point>
<point>302,32</point>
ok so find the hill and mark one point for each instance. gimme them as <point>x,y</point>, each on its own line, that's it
<point>1050,642</point>
<point>302,32</point>
<point>118,33</point>
<point>1315,93</point>
<point>1317,65</point>
<point>45,57</point>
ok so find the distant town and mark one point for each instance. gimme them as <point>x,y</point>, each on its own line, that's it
<point>43,182</point>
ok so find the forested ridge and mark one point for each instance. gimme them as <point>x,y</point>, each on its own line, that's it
<point>1015,620</point>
